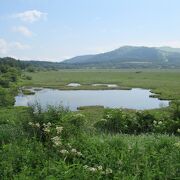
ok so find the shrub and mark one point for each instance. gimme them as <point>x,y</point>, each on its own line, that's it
<point>119,121</point>
<point>6,98</point>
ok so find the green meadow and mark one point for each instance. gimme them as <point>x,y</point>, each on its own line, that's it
<point>164,82</point>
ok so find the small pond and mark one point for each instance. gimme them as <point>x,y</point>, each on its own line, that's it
<point>74,85</point>
<point>133,99</point>
<point>108,85</point>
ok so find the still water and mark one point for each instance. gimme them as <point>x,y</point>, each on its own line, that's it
<point>133,99</point>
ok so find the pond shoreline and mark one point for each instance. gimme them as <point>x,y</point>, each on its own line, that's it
<point>91,87</point>
<point>134,98</point>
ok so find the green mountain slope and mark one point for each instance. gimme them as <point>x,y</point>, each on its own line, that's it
<point>129,56</point>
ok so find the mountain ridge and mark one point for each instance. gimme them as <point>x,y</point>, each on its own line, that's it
<point>162,56</point>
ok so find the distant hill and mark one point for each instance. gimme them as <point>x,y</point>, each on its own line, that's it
<point>124,57</point>
<point>169,49</point>
<point>130,57</point>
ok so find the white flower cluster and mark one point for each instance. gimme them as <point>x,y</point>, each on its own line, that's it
<point>177,144</point>
<point>157,123</point>
<point>37,125</point>
<point>108,116</point>
<point>56,141</point>
<point>59,129</point>
<point>72,151</point>
<point>47,127</point>
<point>98,169</point>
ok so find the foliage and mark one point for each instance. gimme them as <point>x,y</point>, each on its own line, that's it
<point>119,121</point>
<point>25,154</point>
<point>10,72</point>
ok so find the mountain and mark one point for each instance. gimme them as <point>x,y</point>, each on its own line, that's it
<point>169,49</point>
<point>129,57</point>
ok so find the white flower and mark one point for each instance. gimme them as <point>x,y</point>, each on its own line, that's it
<point>79,154</point>
<point>30,123</point>
<point>177,144</point>
<point>48,124</point>
<point>59,129</point>
<point>37,125</point>
<point>64,151</point>
<point>56,140</point>
<point>154,122</point>
<point>73,150</point>
<point>160,122</point>
<point>178,130</point>
<point>47,130</point>
<point>92,169</point>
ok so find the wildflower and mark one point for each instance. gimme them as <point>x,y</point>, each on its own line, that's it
<point>108,171</point>
<point>79,154</point>
<point>73,150</point>
<point>30,123</point>
<point>64,151</point>
<point>108,116</point>
<point>48,124</point>
<point>177,144</point>
<point>59,129</point>
<point>178,130</point>
<point>47,130</point>
<point>155,122</point>
<point>56,140</point>
<point>92,169</point>
<point>160,122</point>
<point>37,125</point>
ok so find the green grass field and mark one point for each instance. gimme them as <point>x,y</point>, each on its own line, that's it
<point>164,82</point>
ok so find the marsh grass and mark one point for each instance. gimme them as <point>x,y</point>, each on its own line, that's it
<point>163,82</point>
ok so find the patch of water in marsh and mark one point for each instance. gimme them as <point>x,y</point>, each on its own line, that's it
<point>74,85</point>
<point>132,99</point>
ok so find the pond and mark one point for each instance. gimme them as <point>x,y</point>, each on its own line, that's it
<point>132,99</point>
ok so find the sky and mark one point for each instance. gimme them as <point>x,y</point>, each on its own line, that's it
<point>54,30</point>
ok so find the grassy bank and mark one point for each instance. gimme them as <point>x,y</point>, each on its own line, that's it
<point>164,82</point>
<point>59,144</point>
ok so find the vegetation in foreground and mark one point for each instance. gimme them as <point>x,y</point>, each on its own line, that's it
<point>58,144</point>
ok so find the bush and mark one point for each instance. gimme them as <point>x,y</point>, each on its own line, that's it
<point>73,125</point>
<point>119,121</point>
<point>6,98</point>
<point>4,82</point>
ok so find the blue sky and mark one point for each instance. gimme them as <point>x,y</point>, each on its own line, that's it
<point>58,29</point>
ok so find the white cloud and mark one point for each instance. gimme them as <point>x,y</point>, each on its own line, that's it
<point>6,47</point>
<point>22,30</point>
<point>30,16</point>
